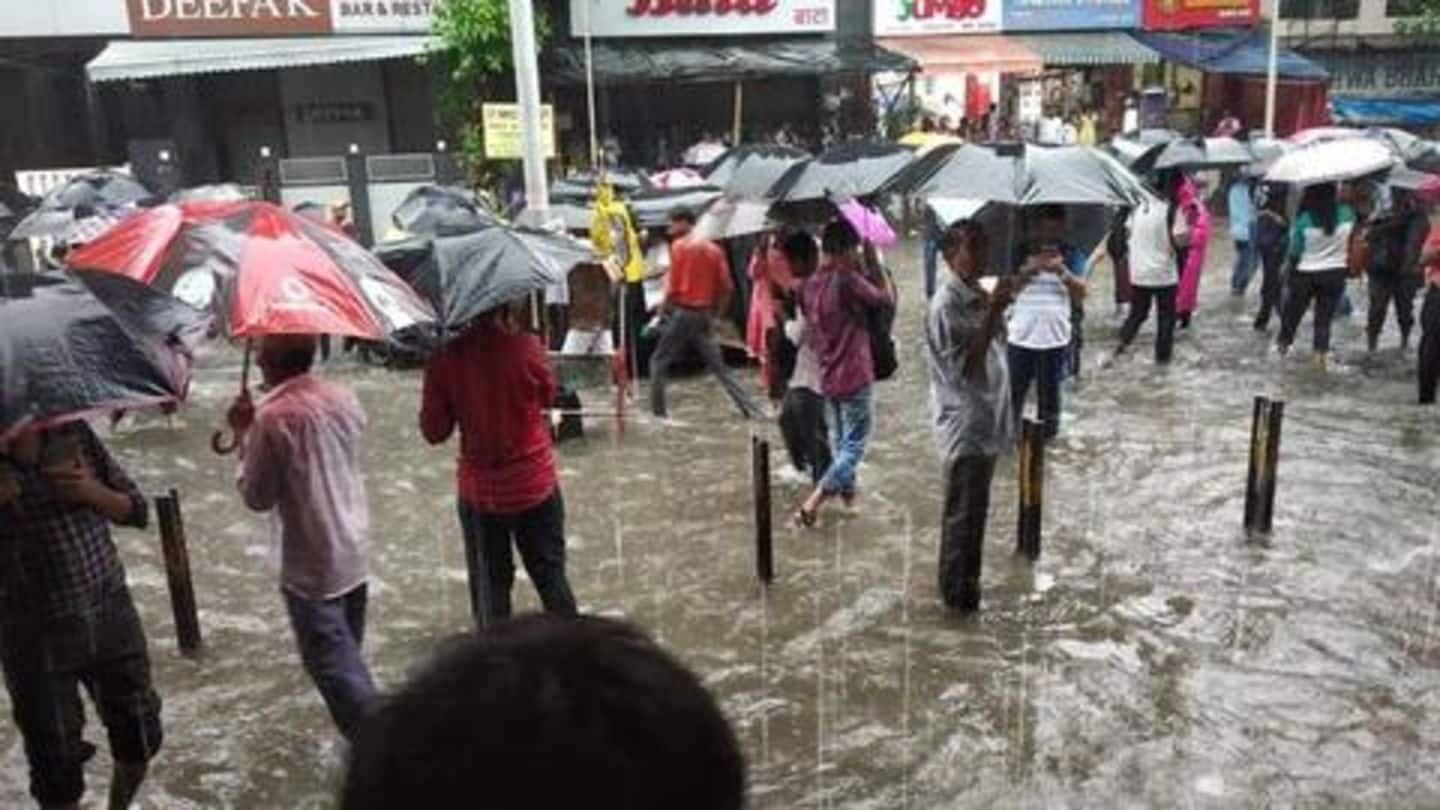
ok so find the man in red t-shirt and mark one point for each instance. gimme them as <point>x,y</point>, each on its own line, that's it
<point>698,286</point>
<point>494,383</point>
<point>1429,361</point>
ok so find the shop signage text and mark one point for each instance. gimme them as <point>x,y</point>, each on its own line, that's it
<point>1381,73</point>
<point>502,132</point>
<point>668,18</point>
<point>1170,15</point>
<point>1069,15</point>
<point>920,17</point>
<point>334,112</point>
<point>210,18</point>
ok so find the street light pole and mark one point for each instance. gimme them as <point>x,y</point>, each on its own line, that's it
<point>527,93</point>
<point>1272,69</point>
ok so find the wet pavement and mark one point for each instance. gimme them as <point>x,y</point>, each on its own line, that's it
<point>1153,657</point>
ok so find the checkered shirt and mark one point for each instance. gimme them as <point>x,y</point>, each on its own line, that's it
<point>58,559</point>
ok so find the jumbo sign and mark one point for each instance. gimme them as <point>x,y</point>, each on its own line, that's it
<point>921,17</point>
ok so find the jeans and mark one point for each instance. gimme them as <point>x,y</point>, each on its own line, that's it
<point>539,536</point>
<point>1245,260</point>
<point>1429,361</point>
<point>1272,284</point>
<point>686,329</point>
<point>851,421</point>
<point>1164,298</point>
<point>932,265</point>
<point>1384,288</point>
<point>1325,287</point>
<point>962,531</point>
<point>802,426</point>
<point>329,633</point>
<point>1045,368</point>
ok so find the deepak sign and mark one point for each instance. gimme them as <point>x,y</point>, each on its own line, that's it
<point>669,18</point>
<point>228,18</point>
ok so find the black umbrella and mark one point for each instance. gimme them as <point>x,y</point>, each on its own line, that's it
<point>751,171</point>
<point>89,192</point>
<point>69,350</point>
<point>574,216</point>
<point>652,209</point>
<point>465,276</point>
<point>581,185</point>
<point>850,170</point>
<point>1194,154</point>
<point>1020,174</point>
<point>442,210</point>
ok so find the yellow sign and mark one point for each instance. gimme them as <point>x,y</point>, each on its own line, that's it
<point>503,137</point>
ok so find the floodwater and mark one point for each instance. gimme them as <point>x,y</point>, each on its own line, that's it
<point>1153,657</point>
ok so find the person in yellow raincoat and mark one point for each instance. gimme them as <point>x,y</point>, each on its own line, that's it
<point>612,233</point>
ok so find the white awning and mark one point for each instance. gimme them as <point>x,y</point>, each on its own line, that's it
<point>126,59</point>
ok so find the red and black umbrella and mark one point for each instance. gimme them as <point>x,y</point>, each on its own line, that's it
<point>262,270</point>
<point>68,350</point>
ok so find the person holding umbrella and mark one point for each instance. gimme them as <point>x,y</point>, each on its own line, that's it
<point>1191,231</point>
<point>1042,328</point>
<point>1429,362</point>
<point>1153,276</point>
<point>1272,243</point>
<point>300,461</point>
<point>1319,250</point>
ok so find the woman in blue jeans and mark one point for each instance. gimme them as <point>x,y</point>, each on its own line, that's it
<point>835,300</point>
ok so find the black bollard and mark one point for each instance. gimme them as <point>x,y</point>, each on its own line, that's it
<point>764,551</point>
<point>177,572</point>
<point>1032,488</point>
<point>1264,464</point>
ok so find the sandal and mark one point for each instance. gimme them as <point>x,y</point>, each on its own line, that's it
<point>806,519</point>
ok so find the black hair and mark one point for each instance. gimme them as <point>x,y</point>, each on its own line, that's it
<point>970,234</point>
<point>548,713</point>
<point>1049,211</point>
<point>296,357</point>
<point>1322,203</point>
<point>683,214</point>
<point>838,237</point>
<point>798,248</point>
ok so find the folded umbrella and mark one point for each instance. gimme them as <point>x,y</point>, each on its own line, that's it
<point>752,170</point>
<point>443,210</point>
<point>1332,161</point>
<point>850,170</point>
<point>71,350</point>
<point>465,276</point>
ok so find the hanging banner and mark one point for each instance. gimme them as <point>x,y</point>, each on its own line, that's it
<point>898,18</point>
<point>1173,15</point>
<point>1069,15</point>
<point>503,133</point>
<point>679,18</point>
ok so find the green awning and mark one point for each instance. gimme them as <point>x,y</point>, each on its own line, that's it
<point>1088,48</point>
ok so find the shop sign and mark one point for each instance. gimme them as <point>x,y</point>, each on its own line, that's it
<point>383,16</point>
<point>669,18</point>
<point>923,17</point>
<point>335,112</point>
<point>1171,15</point>
<point>228,18</point>
<point>1069,15</point>
<point>503,133</point>
<point>1381,73</point>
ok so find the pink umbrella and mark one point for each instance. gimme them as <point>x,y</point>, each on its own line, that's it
<point>677,178</point>
<point>1429,191</point>
<point>869,223</point>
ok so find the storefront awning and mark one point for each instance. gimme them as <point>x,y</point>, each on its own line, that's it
<point>1088,48</point>
<point>620,62</point>
<point>1414,112</point>
<point>1238,52</point>
<point>126,59</point>
<point>970,53</point>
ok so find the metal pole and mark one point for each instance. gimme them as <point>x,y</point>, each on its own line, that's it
<point>764,536</point>
<point>1260,485</point>
<point>527,93</point>
<point>1258,421</point>
<point>1272,69</point>
<point>177,572</point>
<point>739,112</point>
<point>1032,488</point>
<point>590,89</point>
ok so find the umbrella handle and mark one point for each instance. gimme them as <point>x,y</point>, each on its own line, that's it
<point>218,444</point>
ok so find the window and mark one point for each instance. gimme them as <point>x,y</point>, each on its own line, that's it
<point>1403,8</point>
<point>1323,9</point>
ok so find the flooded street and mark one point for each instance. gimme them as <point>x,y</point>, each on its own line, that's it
<point>1153,657</point>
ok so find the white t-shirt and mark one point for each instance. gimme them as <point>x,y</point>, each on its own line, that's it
<point>1040,316</point>
<point>1152,255</point>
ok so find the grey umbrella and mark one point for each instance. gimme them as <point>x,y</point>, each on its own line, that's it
<point>1020,174</point>
<point>443,210</point>
<point>751,171</point>
<point>91,191</point>
<point>1194,153</point>
<point>850,170</point>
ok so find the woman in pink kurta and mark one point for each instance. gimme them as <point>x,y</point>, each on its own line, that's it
<point>1197,228</point>
<point>769,274</point>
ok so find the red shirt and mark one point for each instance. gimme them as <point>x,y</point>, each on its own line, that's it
<point>699,274</point>
<point>1432,270</point>
<point>494,383</point>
